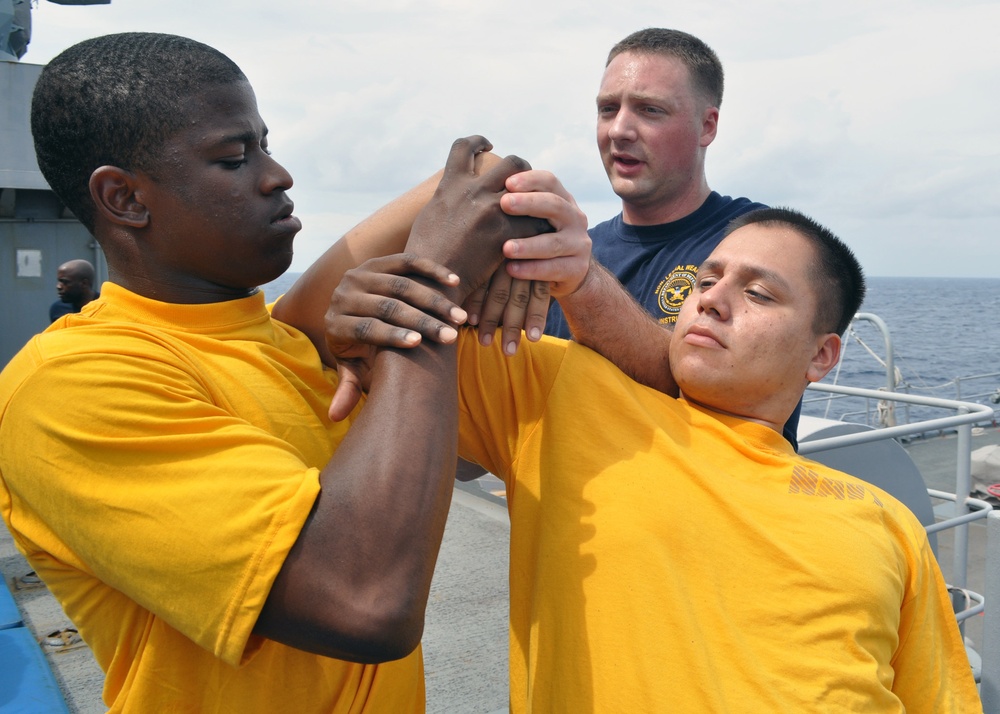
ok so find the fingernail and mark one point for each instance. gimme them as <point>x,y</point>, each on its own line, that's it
<point>459,315</point>
<point>448,334</point>
<point>452,278</point>
<point>473,318</point>
<point>511,348</point>
<point>486,340</point>
<point>412,338</point>
<point>534,334</point>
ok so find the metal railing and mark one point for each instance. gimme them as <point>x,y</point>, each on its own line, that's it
<point>967,509</point>
<point>990,682</point>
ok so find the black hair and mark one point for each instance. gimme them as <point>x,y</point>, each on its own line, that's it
<point>702,62</point>
<point>839,278</point>
<point>113,100</point>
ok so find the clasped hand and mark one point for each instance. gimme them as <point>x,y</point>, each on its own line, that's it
<point>473,223</point>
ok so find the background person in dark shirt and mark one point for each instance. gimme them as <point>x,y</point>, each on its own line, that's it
<point>75,285</point>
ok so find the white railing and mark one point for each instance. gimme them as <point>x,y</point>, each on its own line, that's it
<point>990,683</point>
<point>966,510</point>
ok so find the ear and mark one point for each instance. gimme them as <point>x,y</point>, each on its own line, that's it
<point>825,359</point>
<point>113,191</point>
<point>709,126</point>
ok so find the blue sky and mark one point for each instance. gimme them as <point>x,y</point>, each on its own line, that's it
<point>878,119</point>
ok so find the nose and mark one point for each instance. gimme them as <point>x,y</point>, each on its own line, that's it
<point>715,301</point>
<point>275,177</point>
<point>621,127</point>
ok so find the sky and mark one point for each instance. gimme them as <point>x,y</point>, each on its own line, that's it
<point>878,119</point>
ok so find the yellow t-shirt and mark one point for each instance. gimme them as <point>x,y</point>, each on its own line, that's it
<point>667,559</point>
<point>158,463</point>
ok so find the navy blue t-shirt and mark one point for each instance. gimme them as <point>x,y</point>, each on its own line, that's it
<point>659,264</point>
<point>60,308</point>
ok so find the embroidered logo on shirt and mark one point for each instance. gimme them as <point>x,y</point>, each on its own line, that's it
<point>673,291</point>
<point>808,482</point>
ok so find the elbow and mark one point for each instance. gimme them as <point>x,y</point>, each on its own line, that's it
<point>388,633</point>
<point>365,630</point>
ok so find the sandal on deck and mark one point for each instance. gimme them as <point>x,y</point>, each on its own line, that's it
<point>62,640</point>
<point>28,581</point>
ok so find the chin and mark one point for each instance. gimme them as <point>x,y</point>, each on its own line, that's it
<point>279,263</point>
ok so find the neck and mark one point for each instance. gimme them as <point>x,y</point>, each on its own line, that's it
<point>667,211</point>
<point>180,292</point>
<point>773,416</point>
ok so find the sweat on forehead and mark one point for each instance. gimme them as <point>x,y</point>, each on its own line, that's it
<point>113,100</point>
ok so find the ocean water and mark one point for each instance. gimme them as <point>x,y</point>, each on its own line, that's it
<point>945,334</point>
<point>941,329</point>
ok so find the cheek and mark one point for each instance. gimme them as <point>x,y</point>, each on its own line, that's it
<point>232,206</point>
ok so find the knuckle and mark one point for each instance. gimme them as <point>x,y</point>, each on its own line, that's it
<point>386,308</point>
<point>398,286</point>
<point>519,298</point>
<point>362,330</point>
<point>427,325</point>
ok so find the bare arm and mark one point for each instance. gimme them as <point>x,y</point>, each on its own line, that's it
<point>603,316</point>
<point>355,584</point>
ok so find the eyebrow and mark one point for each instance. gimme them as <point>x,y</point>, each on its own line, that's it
<point>750,271</point>
<point>632,96</point>
<point>243,137</point>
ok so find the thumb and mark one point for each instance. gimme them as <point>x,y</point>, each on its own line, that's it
<point>347,395</point>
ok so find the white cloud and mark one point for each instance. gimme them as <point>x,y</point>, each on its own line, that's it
<point>877,118</point>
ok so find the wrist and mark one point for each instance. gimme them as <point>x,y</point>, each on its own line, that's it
<point>589,287</point>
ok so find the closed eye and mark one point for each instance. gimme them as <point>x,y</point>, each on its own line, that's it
<point>758,295</point>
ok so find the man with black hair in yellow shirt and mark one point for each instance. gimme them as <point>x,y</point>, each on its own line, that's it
<point>218,542</point>
<point>675,554</point>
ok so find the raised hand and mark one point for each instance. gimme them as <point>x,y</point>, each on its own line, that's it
<point>516,304</point>
<point>380,304</point>
<point>560,256</point>
<point>554,264</point>
<point>463,225</point>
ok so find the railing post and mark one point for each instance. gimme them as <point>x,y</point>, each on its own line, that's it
<point>963,487</point>
<point>990,684</point>
<point>890,364</point>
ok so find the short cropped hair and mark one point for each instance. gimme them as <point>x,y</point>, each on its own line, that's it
<point>82,270</point>
<point>113,100</point>
<point>701,61</point>
<point>840,281</point>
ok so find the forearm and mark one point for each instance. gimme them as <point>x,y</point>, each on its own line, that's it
<point>355,585</point>
<point>603,316</point>
<point>384,232</point>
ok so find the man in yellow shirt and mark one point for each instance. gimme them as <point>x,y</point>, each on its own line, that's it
<point>167,463</point>
<point>675,554</point>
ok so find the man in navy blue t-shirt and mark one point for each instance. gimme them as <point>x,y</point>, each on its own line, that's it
<point>657,113</point>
